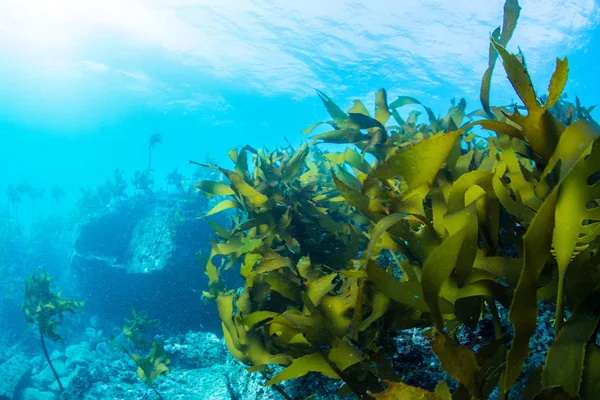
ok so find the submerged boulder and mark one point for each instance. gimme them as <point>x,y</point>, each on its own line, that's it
<point>16,374</point>
<point>141,252</point>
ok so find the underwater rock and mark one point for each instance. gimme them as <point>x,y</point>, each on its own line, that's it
<point>144,248</point>
<point>35,394</point>
<point>45,378</point>
<point>201,383</point>
<point>16,373</point>
<point>79,355</point>
<point>196,350</point>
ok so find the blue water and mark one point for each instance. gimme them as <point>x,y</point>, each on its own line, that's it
<point>83,85</point>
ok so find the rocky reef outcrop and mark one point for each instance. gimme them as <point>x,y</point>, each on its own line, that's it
<point>141,252</point>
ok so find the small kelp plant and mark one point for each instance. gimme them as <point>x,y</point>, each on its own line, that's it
<point>157,362</point>
<point>151,367</point>
<point>137,326</point>
<point>44,308</point>
<point>427,225</point>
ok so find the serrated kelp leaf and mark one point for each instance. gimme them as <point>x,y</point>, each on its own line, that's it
<point>572,234</point>
<point>537,243</point>
<point>215,188</point>
<point>566,358</point>
<point>540,127</point>
<point>303,365</point>
<point>590,382</point>
<point>429,154</point>
<point>575,141</point>
<point>401,391</point>
<point>336,113</point>
<point>518,77</point>
<point>557,82</point>
<point>458,361</point>
<point>382,112</point>
<point>509,22</point>
<point>222,206</point>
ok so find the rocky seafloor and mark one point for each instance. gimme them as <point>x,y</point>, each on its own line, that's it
<point>201,368</point>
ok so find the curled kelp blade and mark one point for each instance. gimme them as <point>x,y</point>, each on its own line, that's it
<point>512,11</point>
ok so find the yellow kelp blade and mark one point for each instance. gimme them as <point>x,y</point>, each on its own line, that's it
<point>436,271</point>
<point>540,128</point>
<point>407,100</point>
<point>566,358</point>
<point>408,293</point>
<point>576,140</point>
<point>511,15</point>
<point>336,113</point>
<point>590,384</point>
<point>293,165</point>
<point>235,340</point>
<point>303,365</point>
<point>576,224</point>
<point>429,154</point>
<point>358,108</point>
<point>401,391</point>
<point>215,188</point>
<point>382,113</point>
<point>537,243</point>
<point>254,198</point>
<point>222,206</point>
<point>458,361</point>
